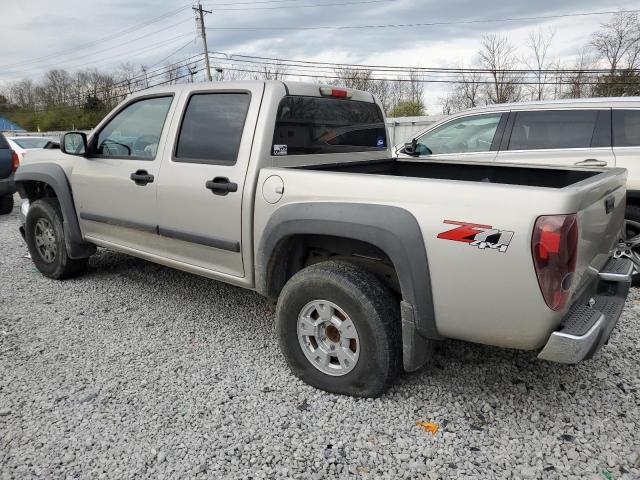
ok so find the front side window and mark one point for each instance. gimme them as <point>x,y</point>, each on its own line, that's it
<point>626,128</point>
<point>554,129</point>
<point>316,125</point>
<point>135,131</point>
<point>212,128</point>
<point>463,135</point>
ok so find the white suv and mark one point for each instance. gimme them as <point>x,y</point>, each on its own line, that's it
<point>593,132</point>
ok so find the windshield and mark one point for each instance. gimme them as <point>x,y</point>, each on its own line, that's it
<point>36,142</point>
<point>314,125</point>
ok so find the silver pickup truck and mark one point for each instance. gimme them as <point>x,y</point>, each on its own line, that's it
<point>290,189</point>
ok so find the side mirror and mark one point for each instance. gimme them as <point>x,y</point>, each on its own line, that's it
<point>410,147</point>
<point>416,149</point>
<point>74,143</point>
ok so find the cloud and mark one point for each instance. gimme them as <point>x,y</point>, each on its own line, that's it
<point>48,27</point>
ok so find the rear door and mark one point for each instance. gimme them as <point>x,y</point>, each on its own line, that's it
<point>568,137</point>
<point>626,145</point>
<point>115,187</point>
<point>201,183</point>
<point>472,138</point>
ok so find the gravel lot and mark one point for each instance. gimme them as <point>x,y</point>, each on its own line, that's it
<point>139,371</point>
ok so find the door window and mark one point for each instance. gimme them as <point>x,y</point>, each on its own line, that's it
<point>553,129</point>
<point>212,128</point>
<point>135,131</point>
<point>626,128</point>
<point>463,135</point>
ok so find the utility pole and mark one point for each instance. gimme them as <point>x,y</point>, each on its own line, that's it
<point>203,32</point>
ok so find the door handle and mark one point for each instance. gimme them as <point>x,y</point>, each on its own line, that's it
<point>221,186</point>
<point>592,162</point>
<point>141,177</point>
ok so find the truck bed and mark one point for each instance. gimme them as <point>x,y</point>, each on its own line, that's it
<point>495,173</point>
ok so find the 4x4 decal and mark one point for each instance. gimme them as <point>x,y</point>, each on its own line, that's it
<point>477,235</point>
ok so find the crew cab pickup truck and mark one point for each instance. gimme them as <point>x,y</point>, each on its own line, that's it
<point>291,189</point>
<point>8,165</point>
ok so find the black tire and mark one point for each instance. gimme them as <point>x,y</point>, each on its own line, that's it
<point>6,204</point>
<point>371,307</point>
<point>61,266</point>
<point>633,213</point>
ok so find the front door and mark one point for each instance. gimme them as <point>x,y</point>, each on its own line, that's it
<point>201,185</point>
<point>470,138</point>
<point>115,187</point>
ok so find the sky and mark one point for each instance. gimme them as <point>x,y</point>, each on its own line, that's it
<point>37,35</point>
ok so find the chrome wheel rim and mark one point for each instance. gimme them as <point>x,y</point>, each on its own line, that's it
<point>328,338</point>
<point>45,239</point>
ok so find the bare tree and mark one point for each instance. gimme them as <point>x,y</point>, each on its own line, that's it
<point>498,56</point>
<point>467,93</point>
<point>274,71</point>
<point>618,41</point>
<point>579,83</point>
<point>539,43</point>
<point>23,93</point>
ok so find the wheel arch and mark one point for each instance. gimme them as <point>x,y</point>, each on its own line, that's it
<point>392,230</point>
<point>36,180</point>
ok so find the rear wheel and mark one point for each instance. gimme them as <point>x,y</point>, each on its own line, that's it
<point>44,234</point>
<point>339,329</point>
<point>6,204</point>
<point>629,245</point>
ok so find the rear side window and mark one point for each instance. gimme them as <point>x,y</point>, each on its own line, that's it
<point>557,129</point>
<point>626,128</point>
<point>212,128</point>
<point>315,125</point>
<point>3,142</point>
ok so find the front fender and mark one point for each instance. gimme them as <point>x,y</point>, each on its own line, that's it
<point>54,176</point>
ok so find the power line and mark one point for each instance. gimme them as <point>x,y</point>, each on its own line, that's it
<point>423,80</point>
<point>243,9</point>
<point>276,61</point>
<point>427,24</point>
<point>100,40</point>
<point>126,43</point>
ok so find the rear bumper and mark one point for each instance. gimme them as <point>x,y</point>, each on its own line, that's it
<point>593,316</point>
<point>7,185</point>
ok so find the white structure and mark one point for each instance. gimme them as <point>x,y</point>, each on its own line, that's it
<point>402,129</point>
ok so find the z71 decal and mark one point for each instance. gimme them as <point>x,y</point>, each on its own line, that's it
<point>476,235</point>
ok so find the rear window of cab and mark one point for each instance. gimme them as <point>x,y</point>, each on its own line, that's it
<point>316,125</point>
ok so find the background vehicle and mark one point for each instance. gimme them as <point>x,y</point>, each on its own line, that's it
<point>35,143</point>
<point>291,190</point>
<point>599,132</point>
<point>8,164</point>
<point>19,151</point>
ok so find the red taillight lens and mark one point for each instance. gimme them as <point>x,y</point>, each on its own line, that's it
<point>15,160</point>
<point>335,92</point>
<point>555,250</point>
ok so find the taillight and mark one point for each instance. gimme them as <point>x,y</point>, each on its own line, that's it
<point>555,250</point>
<point>335,92</point>
<point>15,160</point>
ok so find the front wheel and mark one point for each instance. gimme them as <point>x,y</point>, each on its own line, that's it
<point>339,329</point>
<point>44,234</point>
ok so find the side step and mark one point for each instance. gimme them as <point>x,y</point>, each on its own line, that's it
<point>617,270</point>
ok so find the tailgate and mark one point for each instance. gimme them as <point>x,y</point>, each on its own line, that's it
<point>600,210</point>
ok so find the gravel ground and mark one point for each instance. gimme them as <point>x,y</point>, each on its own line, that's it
<point>139,371</point>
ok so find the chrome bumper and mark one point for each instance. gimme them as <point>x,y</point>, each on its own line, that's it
<point>590,321</point>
